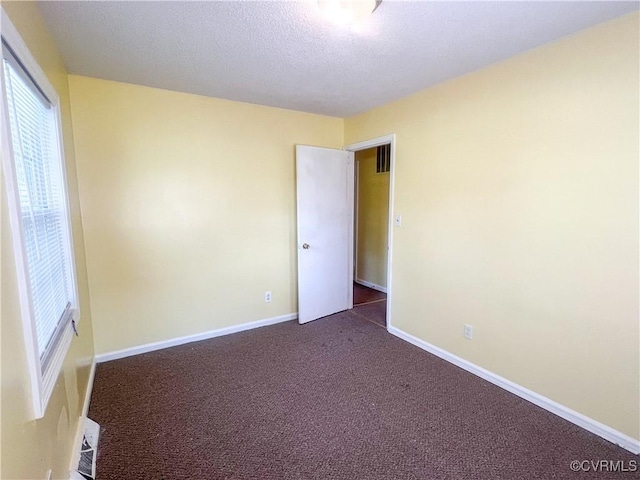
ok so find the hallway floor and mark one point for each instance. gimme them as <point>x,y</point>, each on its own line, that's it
<point>370,304</point>
<point>362,294</point>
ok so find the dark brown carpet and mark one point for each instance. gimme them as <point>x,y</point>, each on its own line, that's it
<point>375,312</point>
<point>362,294</point>
<point>339,398</point>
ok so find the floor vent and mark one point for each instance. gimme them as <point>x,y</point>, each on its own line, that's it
<point>85,467</point>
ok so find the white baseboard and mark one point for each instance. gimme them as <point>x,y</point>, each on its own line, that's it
<point>150,347</point>
<point>87,395</point>
<point>375,286</point>
<point>77,445</point>
<point>608,433</point>
<point>77,441</point>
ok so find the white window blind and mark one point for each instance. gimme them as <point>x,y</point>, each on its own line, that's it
<point>42,205</point>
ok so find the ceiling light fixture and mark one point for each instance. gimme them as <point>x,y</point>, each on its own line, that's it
<point>348,12</point>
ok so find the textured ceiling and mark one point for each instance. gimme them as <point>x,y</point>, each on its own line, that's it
<point>285,54</point>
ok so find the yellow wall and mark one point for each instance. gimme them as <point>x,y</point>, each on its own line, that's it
<point>30,448</point>
<point>188,205</point>
<point>373,220</point>
<point>518,190</point>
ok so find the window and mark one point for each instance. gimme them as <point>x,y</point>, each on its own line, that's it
<point>36,190</point>
<point>383,157</point>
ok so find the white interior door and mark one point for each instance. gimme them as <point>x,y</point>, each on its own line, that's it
<point>325,231</point>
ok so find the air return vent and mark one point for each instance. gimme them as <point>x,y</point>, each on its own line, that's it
<point>383,159</point>
<point>84,466</point>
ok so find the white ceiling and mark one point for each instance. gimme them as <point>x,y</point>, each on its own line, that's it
<point>285,54</point>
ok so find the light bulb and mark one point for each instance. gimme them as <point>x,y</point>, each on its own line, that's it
<point>347,12</point>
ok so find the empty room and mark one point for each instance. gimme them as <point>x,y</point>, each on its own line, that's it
<point>320,239</point>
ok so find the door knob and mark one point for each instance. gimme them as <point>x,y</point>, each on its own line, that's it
<point>305,246</point>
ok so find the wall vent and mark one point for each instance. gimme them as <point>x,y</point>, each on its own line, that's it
<point>85,466</point>
<point>383,159</point>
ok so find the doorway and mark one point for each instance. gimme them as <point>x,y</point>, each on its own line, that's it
<point>371,223</point>
<point>325,224</point>
<point>373,200</point>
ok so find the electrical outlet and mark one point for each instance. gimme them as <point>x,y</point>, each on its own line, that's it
<point>398,220</point>
<point>267,297</point>
<point>468,331</point>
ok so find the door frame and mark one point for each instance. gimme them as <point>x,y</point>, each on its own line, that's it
<point>356,147</point>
